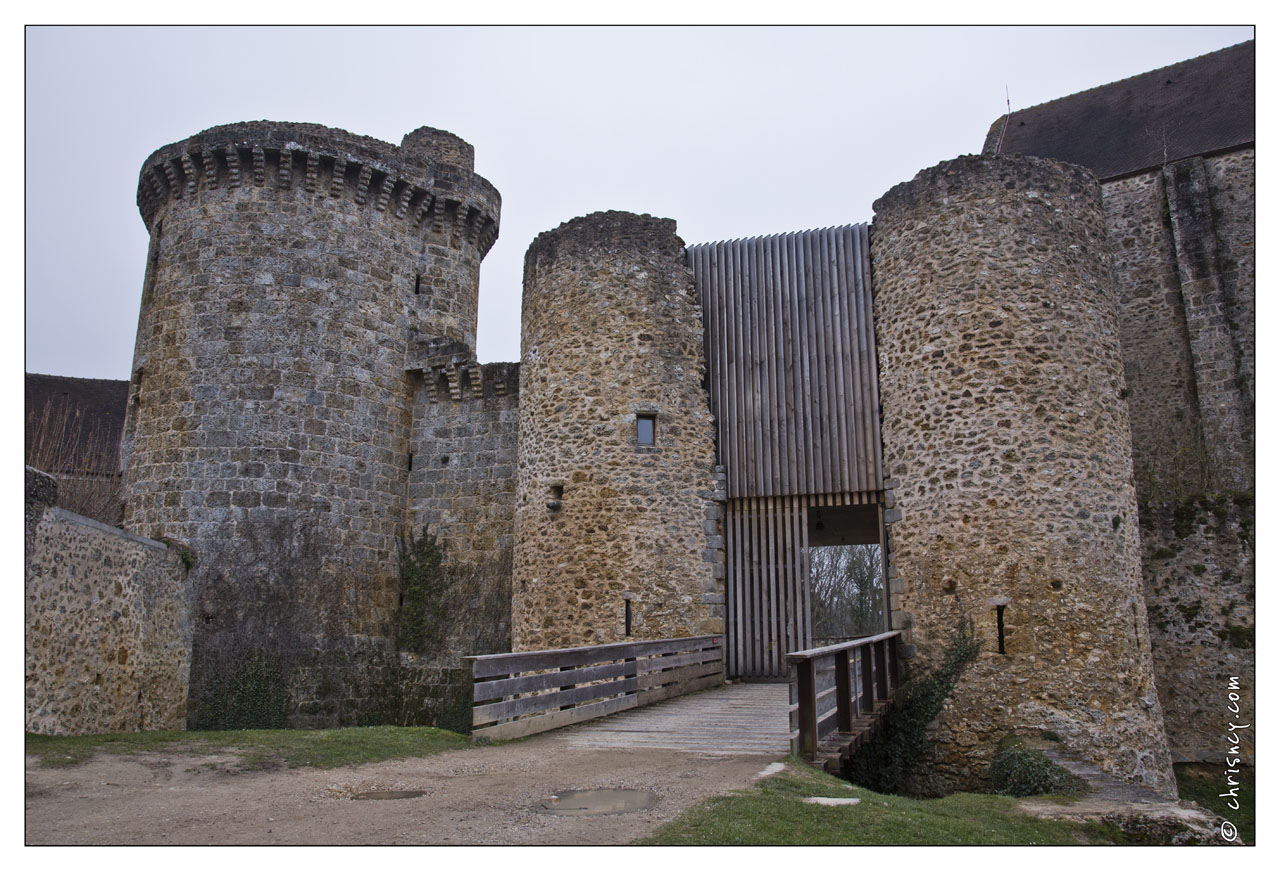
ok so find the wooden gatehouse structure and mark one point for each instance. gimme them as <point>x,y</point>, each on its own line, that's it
<point>792,373</point>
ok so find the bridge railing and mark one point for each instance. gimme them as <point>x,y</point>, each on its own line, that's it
<point>839,687</point>
<point>518,694</point>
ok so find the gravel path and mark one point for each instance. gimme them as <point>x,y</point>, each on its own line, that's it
<point>476,795</point>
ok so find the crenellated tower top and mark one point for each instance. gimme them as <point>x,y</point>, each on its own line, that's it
<point>428,180</point>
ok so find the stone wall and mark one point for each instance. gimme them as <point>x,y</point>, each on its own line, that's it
<point>294,274</point>
<point>1198,560</point>
<point>1007,439</point>
<point>1168,450</point>
<point>463,482</point>
<point>612,332</point>
<point>1182,242</point>
<point>462,488</point>
<point>108,629</point>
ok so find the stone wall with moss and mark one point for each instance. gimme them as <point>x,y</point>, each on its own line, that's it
<point>1198,560</point>
<point>294,273</point>
<point>1007,436</point>
<point>463,482</point>
<point>1182,242</point>
<point>612,333</point>
<point>108,628</point>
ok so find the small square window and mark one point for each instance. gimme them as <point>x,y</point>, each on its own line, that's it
<point>645,429</point>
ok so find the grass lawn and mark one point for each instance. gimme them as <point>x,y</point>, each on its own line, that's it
<point>1202,784</point>
<point>260,748</point>
<point>772,812</point>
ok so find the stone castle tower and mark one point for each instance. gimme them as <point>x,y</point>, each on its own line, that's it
<point>616,490</point>
<point>1005,426</point>
<point>298,281</point>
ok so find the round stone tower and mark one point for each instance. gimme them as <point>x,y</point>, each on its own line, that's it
<point>1006,431</point>
<point>616,514</point>
<point>294,273</point>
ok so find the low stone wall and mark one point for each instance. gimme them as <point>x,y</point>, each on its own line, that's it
<point>108,628</point>
<point>1198,572</point>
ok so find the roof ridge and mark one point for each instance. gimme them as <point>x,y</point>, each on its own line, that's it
<point>73,377</point>
<point>1112,84</point>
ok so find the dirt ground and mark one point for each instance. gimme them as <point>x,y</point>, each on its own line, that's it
<point>477,795</point>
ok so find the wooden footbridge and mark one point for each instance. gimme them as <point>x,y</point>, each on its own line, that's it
<point>671,695</point>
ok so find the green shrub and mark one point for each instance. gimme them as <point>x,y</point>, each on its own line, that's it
<point>884,763</point>
<point>422,603</point>
<point>1020,771</point>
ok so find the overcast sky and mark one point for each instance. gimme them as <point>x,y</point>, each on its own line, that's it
<point>731,131</point>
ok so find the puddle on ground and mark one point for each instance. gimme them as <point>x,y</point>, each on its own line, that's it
<point>593,802</point>
<point>388,794</point>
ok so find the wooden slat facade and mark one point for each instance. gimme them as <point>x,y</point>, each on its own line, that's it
<point>767,598</point>
<point>791,363</point>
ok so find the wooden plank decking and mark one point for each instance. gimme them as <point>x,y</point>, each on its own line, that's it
<point>733,720</point>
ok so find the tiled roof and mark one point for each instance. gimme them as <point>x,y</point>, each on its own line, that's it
<point>92,410</point>
<point>1199,106</point>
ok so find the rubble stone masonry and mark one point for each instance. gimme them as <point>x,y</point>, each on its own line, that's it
<point>463,481</point>
<point>1008,437</point>
<point>1183,247</point>
<point>108,627</point>
<point>1198,565</point>
<point>293,271</point>
<point>612,332</point>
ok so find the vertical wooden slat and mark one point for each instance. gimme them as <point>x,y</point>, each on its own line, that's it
<point>807,611</point>
<point>760,360</point>
<point>829,349</point>
<point>738,585</point>
<point>761,291</point>
<point>788,599</point>
<point>786,370</point>
<point>760,623</point>
<point>771,552</point>
<point>872,367</point>
<point>850,370</point>
<point>869,430</point>
<point>830,404</point>
<point>748,590</point>
<point>794,566</point>
<point>867,422</point>
<point>732,430</point>
<point>732,625</point>
<point>753,585</point>
<point>839,352</point>
<point>744,366</point>
<point>778,350</point>
<point>712,321</point>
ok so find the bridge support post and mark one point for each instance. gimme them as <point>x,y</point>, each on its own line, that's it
<point>881,649</point>
<point>844,694</point>
<point>868,694</point>
<point>808,709</point>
